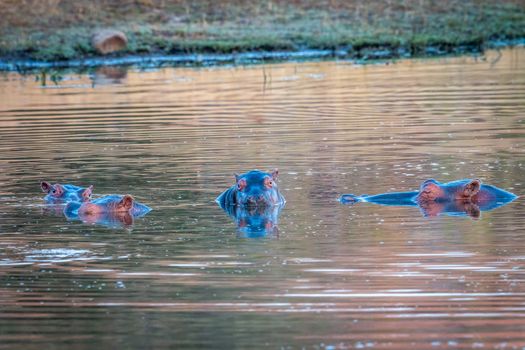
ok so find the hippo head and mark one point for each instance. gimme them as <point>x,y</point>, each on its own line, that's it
<point>107,204</point>
<point>257,188</point>
<point>121,204</point>
<point>66,192</point>
<point>56,190</point>
<point>431,190</point>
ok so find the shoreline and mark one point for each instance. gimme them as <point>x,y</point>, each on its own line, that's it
<point>46,34</point>
<point>362,55</point>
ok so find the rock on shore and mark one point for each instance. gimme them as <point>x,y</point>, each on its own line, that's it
<point>108,40</point>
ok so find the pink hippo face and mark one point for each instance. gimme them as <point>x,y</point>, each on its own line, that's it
<point>108,204</point>
<point>431,190</point>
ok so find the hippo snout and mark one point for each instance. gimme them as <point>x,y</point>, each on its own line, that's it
<point>256,200</point>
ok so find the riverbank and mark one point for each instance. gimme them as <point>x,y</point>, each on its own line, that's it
<point>55,33</point>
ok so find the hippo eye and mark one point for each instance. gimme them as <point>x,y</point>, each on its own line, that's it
<point>241,184</point>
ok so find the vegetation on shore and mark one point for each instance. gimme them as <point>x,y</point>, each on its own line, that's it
<point>53,30</point>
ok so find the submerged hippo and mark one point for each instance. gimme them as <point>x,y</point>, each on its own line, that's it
<point>254,203</point>
<point>58,193</point>
<point>462,197</point>
<point>112,210</point>
<point>254,188</point>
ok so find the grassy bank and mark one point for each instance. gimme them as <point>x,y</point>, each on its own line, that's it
<point>52,30</point>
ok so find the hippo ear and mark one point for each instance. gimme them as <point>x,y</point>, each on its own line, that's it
<point>472,188</point>
<point>237,177</point>
<point>86,194</point>
<point>126,202</point>
<point>275,173</point>
<point>429,185</point>
<point>429,191</point>
<point>45,186</point>
<point>241,184</point>
<point>429,182</point>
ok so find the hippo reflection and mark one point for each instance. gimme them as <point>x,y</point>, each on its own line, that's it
<point>255,222</point>
<point>112,211</point>
<point>457,198</point>
<point>53,209</point>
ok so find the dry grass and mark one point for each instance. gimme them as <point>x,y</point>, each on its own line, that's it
<point>60,29</point>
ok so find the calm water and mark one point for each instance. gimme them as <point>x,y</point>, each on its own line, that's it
<point>330,276</point>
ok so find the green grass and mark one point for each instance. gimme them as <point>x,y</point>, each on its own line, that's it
<point>51,30</point>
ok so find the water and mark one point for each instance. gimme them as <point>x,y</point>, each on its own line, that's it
<point>331,276</point>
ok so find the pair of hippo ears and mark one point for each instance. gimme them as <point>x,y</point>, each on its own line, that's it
<point>470,188</point>
<point>274,174</point>
<point>58,190</point>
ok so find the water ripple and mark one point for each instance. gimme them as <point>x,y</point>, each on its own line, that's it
<point>334,276</point>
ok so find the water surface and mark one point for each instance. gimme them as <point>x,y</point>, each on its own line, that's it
<point>331,276</point>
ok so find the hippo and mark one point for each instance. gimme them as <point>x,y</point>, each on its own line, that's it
<point>58,193</point>
<point>111,210</point>
<point>255,222</point>
<point>254,188</point>
<point>461,197</point>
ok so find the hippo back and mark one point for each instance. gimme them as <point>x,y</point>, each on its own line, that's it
<point>387,199</point>
<point>227,198</point>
